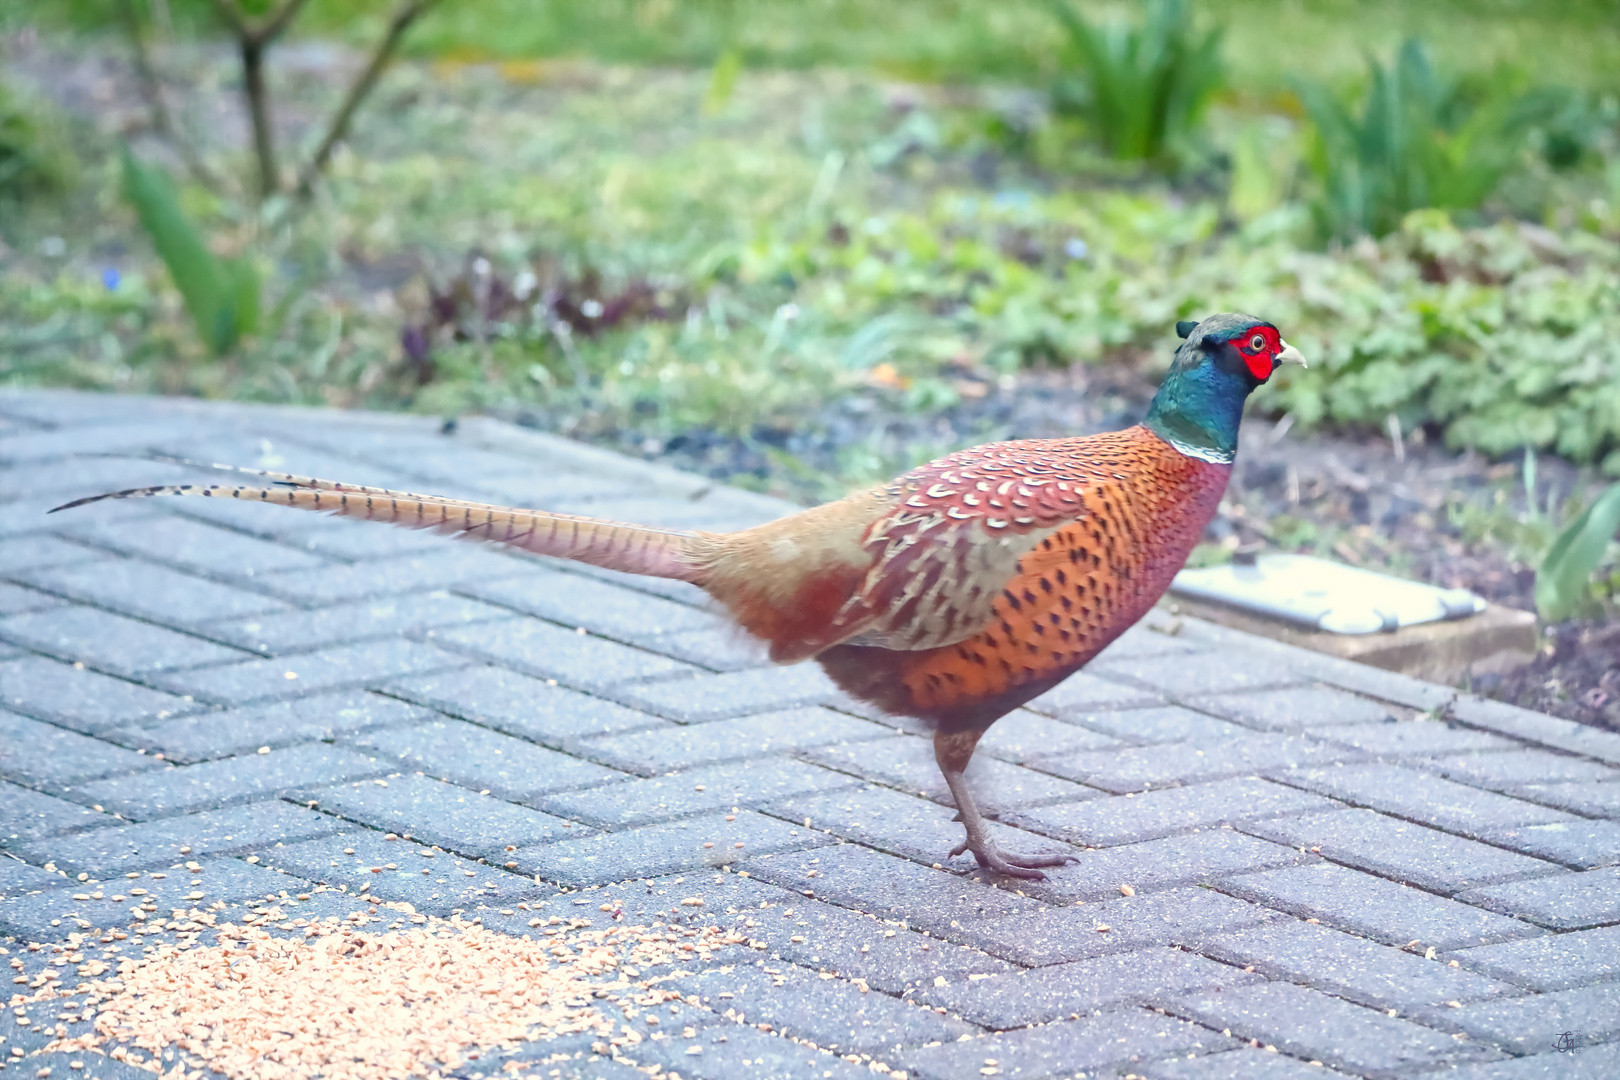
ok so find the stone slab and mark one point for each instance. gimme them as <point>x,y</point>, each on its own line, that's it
<point>1402,851</point>
<point>1561,902</point>
<point>1375,907</point>
<point>1309,1024</point>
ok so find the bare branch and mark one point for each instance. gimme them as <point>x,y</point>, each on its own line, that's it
<point>407,13</point>
<point>253,39</point>
<point>258,101</point>
<point>271,28</point>
<point>262,32</point>
<point>233,17</point>
<point>152,90</point>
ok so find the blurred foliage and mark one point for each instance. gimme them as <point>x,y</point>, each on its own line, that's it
<point>1564,586</point>
<point>735,256</point>
<point>222,295</point>
<point>932,40</point>
<point>1421,140</point>
<point>1142,89</point>
<point>35,159</point>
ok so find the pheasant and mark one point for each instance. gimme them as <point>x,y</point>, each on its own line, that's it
<point>953,594</point>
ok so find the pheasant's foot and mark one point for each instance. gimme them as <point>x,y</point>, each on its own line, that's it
<point>1022,866</point>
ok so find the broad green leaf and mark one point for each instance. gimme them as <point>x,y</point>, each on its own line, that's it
<point>1562,580</point>
<point>222,298</point>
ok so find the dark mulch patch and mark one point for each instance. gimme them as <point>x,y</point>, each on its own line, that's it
<point>1576,675</point>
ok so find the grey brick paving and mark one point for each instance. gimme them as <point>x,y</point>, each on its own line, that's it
<point>1505,772</point>
<point>193,547</point>
<point>832,1013</point>
<point>481,759</point>
<point>27,815</point>
<point>1594,1063</point>
<point>1351,967</point>
<point>1085,693</point>
<point>1375,907</point>
<point>1402,851</point>
<point>1591,1014</point>
<point>230,780</point>
<point>574,600</point>
<point>430,570</point>
<point>15,600</point>
<point>770,783</point>
<point>1594,798</point>
<point>890,887</point>
<point>1316,1026</point>
<point>1297,708</point>
<point>1574,842</point>
<point>665,749</point>
<point>435,882</point>
<point>152,592</point>
<point>1418,796</point>
<point>228,732</point>
<point>903,824</point>
<point>1553,962</point>
<point>616,724</point>
<point>1245,1063</point>
<point>1186,676</point>
<point>539,648</point>
<point>1129,819</point>
<point>440,813</point>
<point>369,664</point>
<point>1564,902</point>
<point>1110,1041</point>
<point>1396,740</point>
<point>301,631</point>
<point>41,550</point>
<point>54,914</point>
<point>786,925</point>
<point>715,697</point>
<point>1057,992</point>
<point>153,845</point>
<point>1187,918</point>
<point>1166,724</point>
<point>710,840</point>
<point>521,705</point>
<point>19,878</point>
<point>1191,859</point>
<point>1140,768</point>
<point>907,762</point>
<point>78,698</point>
<point>52,758</point>
<point>112,643</point>
<point>1023,736</point>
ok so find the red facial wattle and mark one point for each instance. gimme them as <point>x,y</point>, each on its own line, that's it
<point>1259,348</point>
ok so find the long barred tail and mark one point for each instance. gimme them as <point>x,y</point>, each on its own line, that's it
<point>634,549</point>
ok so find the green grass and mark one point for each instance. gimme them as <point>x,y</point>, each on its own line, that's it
<point>948,40</point>
<point>916,271</point>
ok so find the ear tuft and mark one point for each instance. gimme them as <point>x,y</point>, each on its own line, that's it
<point>1186,327</point>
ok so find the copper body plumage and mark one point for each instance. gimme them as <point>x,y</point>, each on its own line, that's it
<point>953,594</point>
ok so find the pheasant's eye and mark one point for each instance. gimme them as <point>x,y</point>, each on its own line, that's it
<point>1257,342</point>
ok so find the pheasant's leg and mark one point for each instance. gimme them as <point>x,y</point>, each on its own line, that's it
<point>953,752</point>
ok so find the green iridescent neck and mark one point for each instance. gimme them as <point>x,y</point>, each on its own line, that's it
<point>1198,408</point>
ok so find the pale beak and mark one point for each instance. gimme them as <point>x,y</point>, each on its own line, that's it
<point>1291,355</point>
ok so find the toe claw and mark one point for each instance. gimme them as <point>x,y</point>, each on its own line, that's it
<point>1019,866</point>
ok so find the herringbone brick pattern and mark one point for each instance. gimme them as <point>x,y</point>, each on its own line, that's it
<point>1289,866</point>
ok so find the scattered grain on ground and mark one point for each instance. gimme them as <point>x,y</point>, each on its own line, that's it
<point>345,1003</point>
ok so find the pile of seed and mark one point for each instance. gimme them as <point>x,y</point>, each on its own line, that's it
<point>343,1003</point>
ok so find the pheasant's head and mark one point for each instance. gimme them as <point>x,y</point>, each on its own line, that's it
<point>1200,403</point>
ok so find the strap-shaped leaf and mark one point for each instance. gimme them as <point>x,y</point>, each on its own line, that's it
<point>221,298</point>
<point>1561,582</point>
